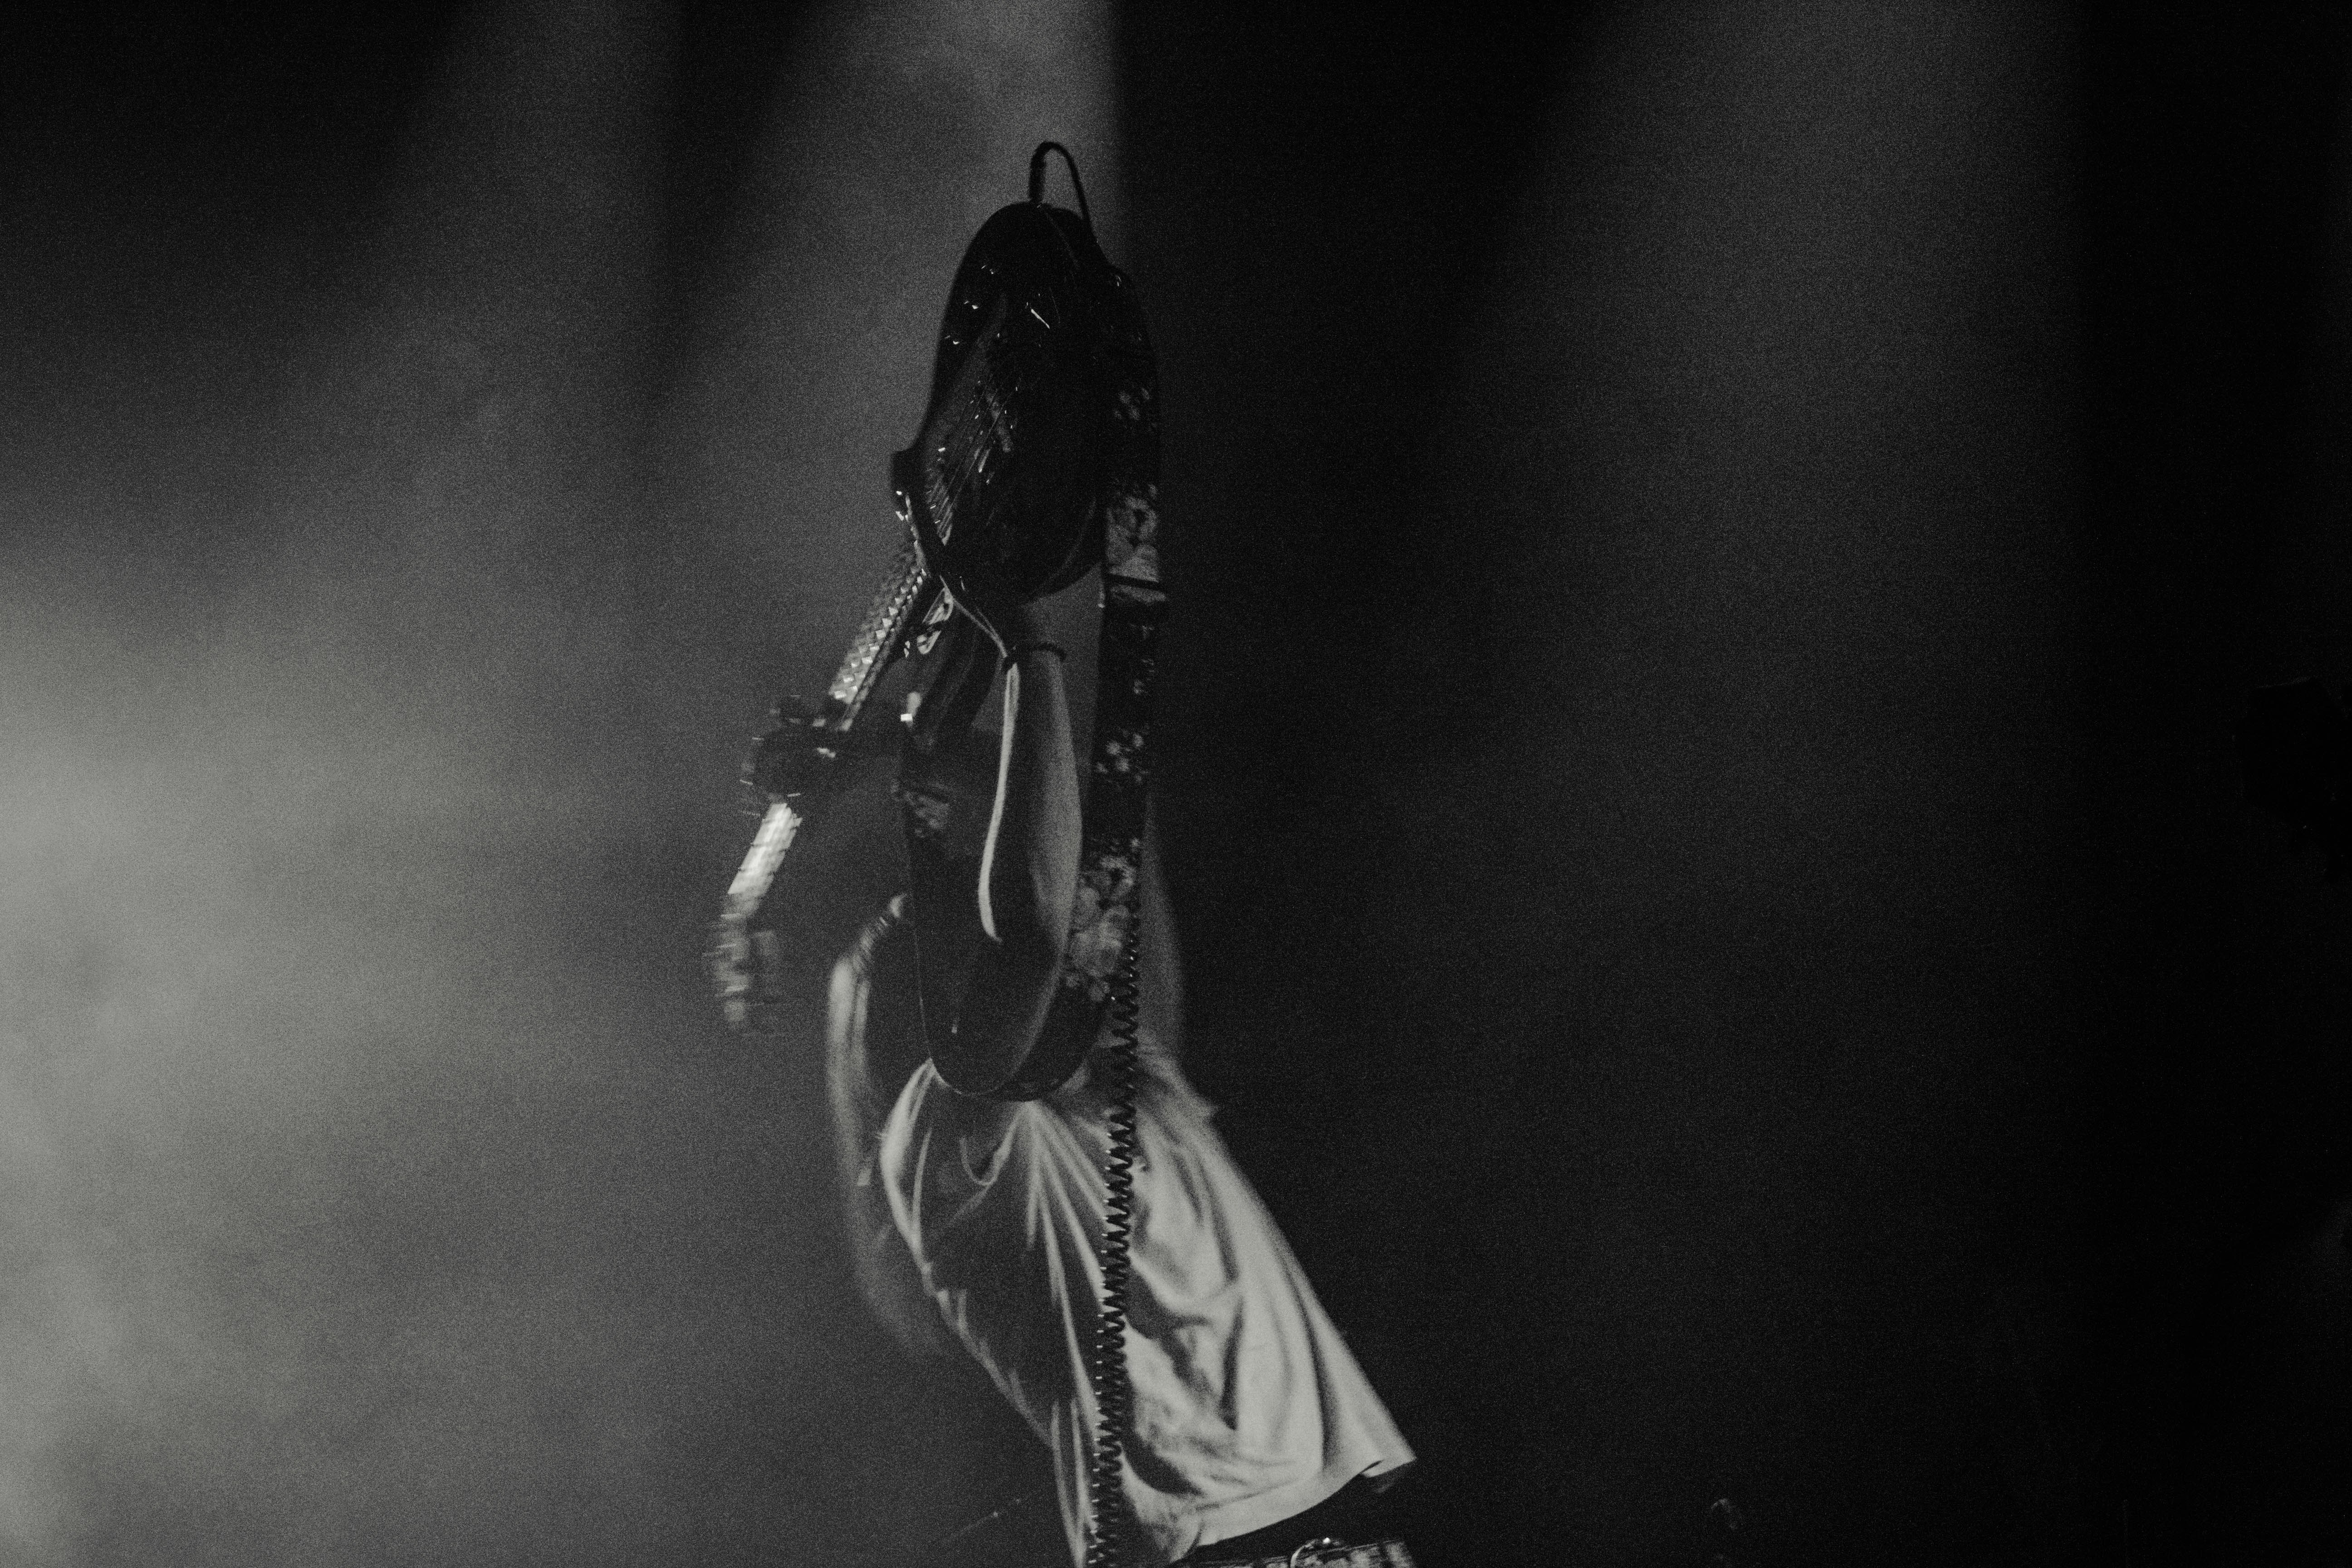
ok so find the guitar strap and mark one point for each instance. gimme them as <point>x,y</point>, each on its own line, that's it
<point>1100,961</point>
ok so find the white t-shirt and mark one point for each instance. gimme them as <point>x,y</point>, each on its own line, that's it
<point>1248,1406</point>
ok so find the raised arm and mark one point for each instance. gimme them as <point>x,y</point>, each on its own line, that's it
<point>1029,864</point>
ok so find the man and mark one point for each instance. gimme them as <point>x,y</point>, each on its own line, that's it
<point>1252,1432</point>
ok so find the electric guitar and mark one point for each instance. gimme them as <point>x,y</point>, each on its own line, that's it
<point>1036,460</point>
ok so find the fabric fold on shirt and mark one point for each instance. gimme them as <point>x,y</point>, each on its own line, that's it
<point>1248,1406</point>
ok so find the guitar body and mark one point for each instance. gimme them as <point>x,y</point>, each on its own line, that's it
<point>1009,470</point>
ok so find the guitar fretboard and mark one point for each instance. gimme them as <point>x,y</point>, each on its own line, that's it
<point>885,623</point>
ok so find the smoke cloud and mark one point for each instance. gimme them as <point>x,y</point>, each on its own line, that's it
<point>380,1183</point>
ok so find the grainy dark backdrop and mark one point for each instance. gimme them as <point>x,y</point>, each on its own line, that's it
<point>1719,549</point>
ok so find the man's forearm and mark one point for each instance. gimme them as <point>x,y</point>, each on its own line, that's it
<point>1029,869</point>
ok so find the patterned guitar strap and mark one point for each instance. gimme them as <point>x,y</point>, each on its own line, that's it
<point>1100,961</point>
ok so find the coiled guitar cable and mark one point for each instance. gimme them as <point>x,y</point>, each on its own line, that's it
<point>1106,1367</point>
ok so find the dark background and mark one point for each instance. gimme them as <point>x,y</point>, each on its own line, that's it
<point>1718,551</point>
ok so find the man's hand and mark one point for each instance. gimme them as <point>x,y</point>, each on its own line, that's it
<point>742,964</point>
<point>797,758</point>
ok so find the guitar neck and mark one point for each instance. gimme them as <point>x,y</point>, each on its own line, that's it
<point>906,590</point>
